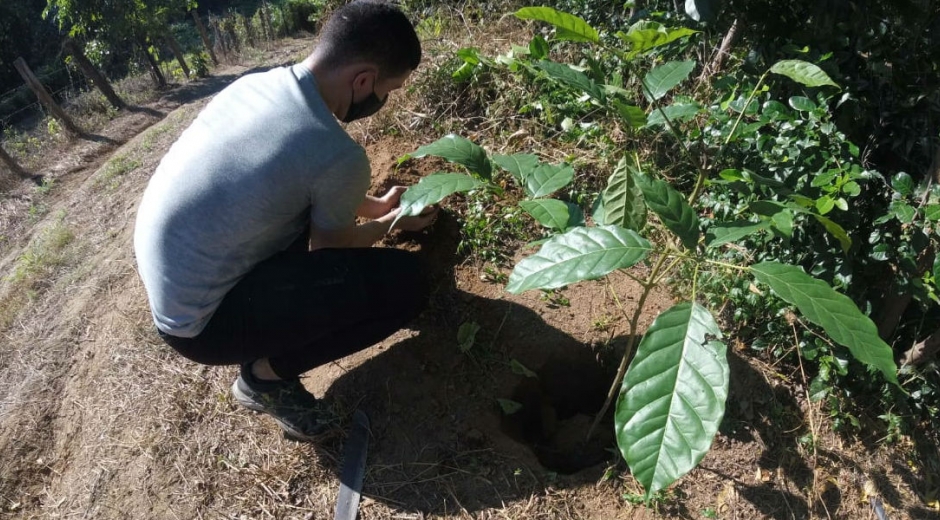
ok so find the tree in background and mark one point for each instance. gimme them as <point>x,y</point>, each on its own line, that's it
<point>120,23</point>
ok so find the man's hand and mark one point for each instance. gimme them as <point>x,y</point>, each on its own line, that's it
<point>413,223</point>
<point>377,207</point>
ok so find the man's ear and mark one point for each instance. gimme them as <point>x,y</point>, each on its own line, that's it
<point>368,74</point>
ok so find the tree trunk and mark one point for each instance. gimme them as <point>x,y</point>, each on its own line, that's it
<point>155,71</point>
<point>249,35</point>
<point>922,350</point>
<point>45,98</point>
<point>205,37</point>
<point>177,51</point>
<point>12,165</point>
<point>96,78</point>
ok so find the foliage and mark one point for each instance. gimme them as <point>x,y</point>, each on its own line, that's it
<point>794,212</point>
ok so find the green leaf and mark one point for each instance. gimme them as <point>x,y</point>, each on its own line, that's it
<point>466,335</point>
<point>932,212</point>
<point>573,78</point>
<point>460,150</point>
<point>834,312</point>
<point>673,210</point>
<point>835,230</point>
<point>521,370</point>
<point>673,396</point>
<point>825,204</point>
<point>508,406</point>
<point>623,199</point>
<point>579,254</point>
<point>546,179</point>
<point>568,26</point>
<point>903,211</point>
<point>677,113</point>
<point>903,184</point>
<point>520,165</point>
<point>631,114</point>
<point>645,35</point>
<point>433,189</point>
<point>551,213</point>
<point>803,104</point>
<point>538,47</point>
<point>662,79</point>
<point>733,231</point>
<point>803,72</point>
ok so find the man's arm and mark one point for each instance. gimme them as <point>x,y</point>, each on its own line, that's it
<point>368,233</point>
<point>375,207</point>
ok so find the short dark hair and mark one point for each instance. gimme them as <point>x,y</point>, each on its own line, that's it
<point>372,31</point>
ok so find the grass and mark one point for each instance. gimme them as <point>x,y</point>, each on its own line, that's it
<point>34,268</point>
<point>114,169</point>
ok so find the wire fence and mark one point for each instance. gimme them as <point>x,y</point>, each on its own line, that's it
<point>14,103</point>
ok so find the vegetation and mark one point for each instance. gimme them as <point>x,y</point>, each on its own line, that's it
<point>761,199</point>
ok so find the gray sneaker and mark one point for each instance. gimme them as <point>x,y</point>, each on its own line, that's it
<point>295,409</point>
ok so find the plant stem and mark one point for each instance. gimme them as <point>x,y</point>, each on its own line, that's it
<point>700,182</point>
<point>631,343</point>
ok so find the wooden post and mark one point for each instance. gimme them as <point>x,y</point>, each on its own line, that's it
<point>43,95</point>
<point>12,165</point>
<point>205,37</point>
<point>90,72</point>
<point>177,51</point>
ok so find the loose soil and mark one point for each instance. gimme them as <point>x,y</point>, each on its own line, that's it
<point>99,419</point>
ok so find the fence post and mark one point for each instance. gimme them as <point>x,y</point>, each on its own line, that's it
<point>205,37</point>
<point>12,165</point>
<point>90,72</point>
<point>43,95</point>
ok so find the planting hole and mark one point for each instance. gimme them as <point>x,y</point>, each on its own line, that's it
<point>557,409</point>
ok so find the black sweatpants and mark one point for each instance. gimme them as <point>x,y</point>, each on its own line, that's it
<point>302,309</point>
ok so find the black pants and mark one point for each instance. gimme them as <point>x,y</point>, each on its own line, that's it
<point>303,309</point>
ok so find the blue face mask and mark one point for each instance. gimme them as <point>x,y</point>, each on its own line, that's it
<point>364,108</point>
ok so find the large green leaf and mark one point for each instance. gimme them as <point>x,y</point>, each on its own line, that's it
<point>548,178</point>
<point>551,213</point>
<point>520,165</point>
<point>677,113</point>
<point>803,72</point>
<point>832,311</point>
<point>459,150</point>
<point>673,210</point>
<point>733,231</point>
<point>623,199</point>
<point>579,254</point>
<point>631,114</point>
<point>568,26</point>
<point>645,35</point>
<point>661,79</point>
<point>673,396</point>
<point>433,189</point>
<point>573,78</point>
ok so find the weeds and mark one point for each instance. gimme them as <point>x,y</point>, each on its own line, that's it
<point>115,169</point>
<point>34,268</point>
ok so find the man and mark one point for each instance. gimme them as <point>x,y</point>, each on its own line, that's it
<point>221,235</point>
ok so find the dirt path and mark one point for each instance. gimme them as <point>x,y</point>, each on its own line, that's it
<point>99,419</point>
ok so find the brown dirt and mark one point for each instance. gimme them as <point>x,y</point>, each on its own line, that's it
<point>99,419</point>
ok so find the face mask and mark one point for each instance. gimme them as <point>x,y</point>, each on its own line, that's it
<point>364,108</point>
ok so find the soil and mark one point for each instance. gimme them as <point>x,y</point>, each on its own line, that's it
<point>99,419</point>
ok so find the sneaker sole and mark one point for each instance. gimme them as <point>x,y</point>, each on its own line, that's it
<point>248,403</point>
